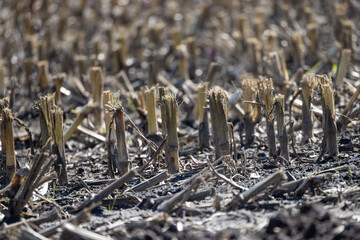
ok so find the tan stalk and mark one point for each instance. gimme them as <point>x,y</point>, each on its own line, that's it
<point>97,86</point>
<point>141,99</point>
<point>307,85</point>
<point>82,115</point>
<point>329,124</point>
<point>281,127</point>
<point>58,82</point>
<point>267,92</point>
<point>204,135</point>
<point>313,34</point>
<point>243,28</point>
<point>7,141</point>
<point>172,144</point>
<point>43,67</point>
<point>162,92</point>
<point>343,65</point>
<point>176,32</point>
<point>347,27</point>
<point>297,50</point>
<point>218,113</point>
<point>254,47</point>
<point>58,136</point>
<point>46,104</point>
<point>272,41</point>
<point>276,68</point>
<point>123,160</point>
<point>150,100</point>
<point>183,64</point>
<point>252,109</point>
<point>107,103</point>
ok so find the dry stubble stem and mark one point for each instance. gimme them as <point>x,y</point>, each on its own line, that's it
<point>281,127</point>
<point>123,160</point>
<point>329,124</point>
<point>82,115</point>
<point>43,75</point>
<point>163,91</point>
<point>268,96</point>
<point>204,135</point>
<point>150,100</point>
<point>97,86</point>
<point>172,146</point>
<point>60,164</point>
<point>307,113</point>
<point>7,138</point>
<point>218,113</point>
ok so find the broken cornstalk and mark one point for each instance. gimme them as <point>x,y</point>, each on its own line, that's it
<point>266,87</point>
<point>172,145</point>
<point>150,100</point>
<point>252,109</point>
<point>204,135</point>
<point>218,113</point>
<point>281,127</point>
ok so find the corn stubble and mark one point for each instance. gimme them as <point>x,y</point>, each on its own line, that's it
<point>172,144</point>
<point>219,126</point>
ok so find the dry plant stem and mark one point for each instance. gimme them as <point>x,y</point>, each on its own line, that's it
<point>152,74</point>
<point>312,32</point>
<point>272,41</point>
<point>150,100</point>
<point>292,186</point>
<point>39,168</point>
<point>298,55</point>
<point>58,136</point>
<point>82,115</point>
<point>273,180</point>
<point>307,112</point>
<point>30,234</point>
<point>296,94</point>
<point>343,121</point>
<point>70,231</point>
<point>204,135</point>
<point>2,82</point>
<point>329,124</point>
<point>162,92</point>
<point>81,217</point>
<point>281,127</point>
<point>221,176</point>
<point>43,67</point>
<point>58,82</point>
<point>82,68</point>
<point>266,87</point>
<point>154,156</point>
<point>7,141</point>
<point>213,69</point>
<point>183,62</point>
<point>252,111</point>
<point>97,86</point>
<point>107,102</point>
<point>151,182</point>
<point>123,160</point>
<point>254,48</point>
<point>218,113</point>
<point>172,146</point>
<point>109,189</point>
<point>46,104</point>
<point>181,197</point>
<point>28,67</point>
<point>343,65</point>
